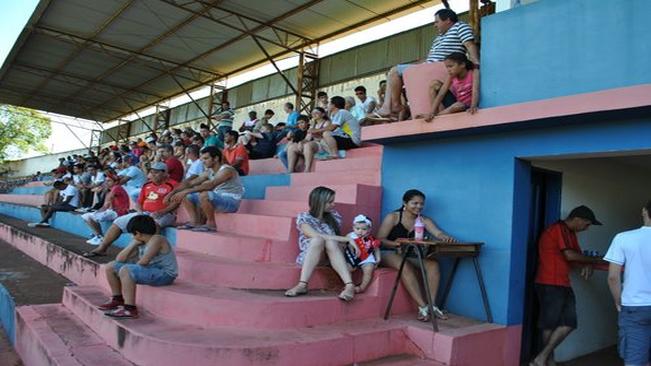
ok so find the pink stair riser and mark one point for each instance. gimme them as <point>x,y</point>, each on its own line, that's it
<point>351,176</point>
<point>154,341</point>
<point>346,193</point>
<point>266,166</point>
<point>262,226</point>
<point>23,199</point>
<point>372,163</point>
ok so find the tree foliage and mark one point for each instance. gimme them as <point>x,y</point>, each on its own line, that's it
<point>22,129</point>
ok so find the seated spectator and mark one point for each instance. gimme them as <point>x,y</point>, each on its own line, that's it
<point>381,92</point>
<point>50,197</point>
<point>322,100</point>
<point>400,224</point>
<point>81,180</point>
<point>353,108</point>
<point>250,123</point>
<point>68,201</point>
<point>235,154</point>
<point>217,189</point>
<point>194,165</point>
<point>266,119</point>
<point>302,147</point>
<point>288,137</point>
<point>97,179</point>
<point>156,266</point>
<point>459,92</point>
<point>261,145</point>
<point>292,115</point>
<point>151,202</point>
<point>116,204</point>
<point>179,149</point>
<point>366,104</point>
<point>280,126</point>
<point>174,165</point>
<point>344,133</point>
<point>318,236</point>
<point>131,177</point>
<point>454,36</point>
<point>210,139</point>
<point>199,141</point>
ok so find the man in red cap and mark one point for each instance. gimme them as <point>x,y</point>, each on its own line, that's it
<point>558,250</point>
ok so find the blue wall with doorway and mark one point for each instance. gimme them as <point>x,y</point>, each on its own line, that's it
<point>553,48</point>
<point>478,190</point>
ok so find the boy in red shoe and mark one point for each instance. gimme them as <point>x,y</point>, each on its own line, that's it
<point>156,266</point>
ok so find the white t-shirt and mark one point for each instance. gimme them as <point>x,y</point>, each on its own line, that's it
<point>195,168</point>
<point>98,178</point>
<point>347,126</point>
<point>632,249</point>
<point>365,105</point>
<point>71,191</point>
<point>137,177</point>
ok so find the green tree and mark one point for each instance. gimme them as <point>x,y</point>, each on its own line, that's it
<point>22,129</point>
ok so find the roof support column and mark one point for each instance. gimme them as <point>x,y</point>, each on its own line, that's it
<point>307,81</point>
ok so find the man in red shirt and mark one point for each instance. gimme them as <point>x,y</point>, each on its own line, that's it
<point>151,202</point>
<point>558,250</point>
<point>235,154</point>
<point>174,165</point>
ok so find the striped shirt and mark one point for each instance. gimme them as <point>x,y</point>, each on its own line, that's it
<point>450,42</point>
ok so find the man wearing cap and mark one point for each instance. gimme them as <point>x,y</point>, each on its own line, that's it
<point>632,249</point>
<point>558,250</point>
<point>151,202</point>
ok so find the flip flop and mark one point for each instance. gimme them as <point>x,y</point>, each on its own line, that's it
<point>186,226</point>
<point>92,254</point>
<point>204,229</point>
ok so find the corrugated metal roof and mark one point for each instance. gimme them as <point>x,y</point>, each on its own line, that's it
<point>103,59</point>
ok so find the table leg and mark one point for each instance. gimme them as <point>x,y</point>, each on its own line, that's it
<point>396,283</point>
<point>484,296</point>
<point>448,282</point>
<point>423,272</point>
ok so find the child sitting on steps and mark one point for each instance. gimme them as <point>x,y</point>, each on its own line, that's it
<point>363,250</point>
<point>156,266</point>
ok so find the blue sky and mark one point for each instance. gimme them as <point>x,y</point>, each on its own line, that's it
<point>13,16</point>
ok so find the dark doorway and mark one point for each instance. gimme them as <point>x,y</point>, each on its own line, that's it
<point>545,210</point>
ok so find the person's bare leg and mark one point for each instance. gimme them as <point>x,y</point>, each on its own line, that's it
<point>556,337</point>
<point>310,261</point>
<point>208,209</point>
<point>292,156</point>
<point>454,108</point>
<point>113,280</point>
<point>408,278</point>
<point>95,226</point>
<point>392,104</point>
<point>367,275</point>
<point>434,277</point>
<point>128,287</point>
<point>191,209</point>
<point>112,234</point>
<point>331,144</point>
<point>309,149</point>
<point>338,263</point>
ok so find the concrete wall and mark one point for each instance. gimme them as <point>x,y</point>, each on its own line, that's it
<point>616,192</point>
<point>561,47</point>
<point>478,190</point>
<point>45,163</point>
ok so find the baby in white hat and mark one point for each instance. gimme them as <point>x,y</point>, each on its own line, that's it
<point>363,250</point>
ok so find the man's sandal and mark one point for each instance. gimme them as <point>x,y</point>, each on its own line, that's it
<point>93,254</point>
<point>298,290</point>
<point>348,293</point>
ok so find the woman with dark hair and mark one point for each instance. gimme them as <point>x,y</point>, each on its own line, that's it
<point>400,224</point>
<point>319,238</point>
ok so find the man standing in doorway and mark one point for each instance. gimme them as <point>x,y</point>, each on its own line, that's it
<point>558,250</point>
<point>633,250</point>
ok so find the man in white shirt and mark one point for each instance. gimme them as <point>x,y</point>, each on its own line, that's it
<point>345,132</point>
<point>68,201</point>
<point>194,166</point>
<point>366,103</point>
<point>131,177</point>
<point>632,250</point>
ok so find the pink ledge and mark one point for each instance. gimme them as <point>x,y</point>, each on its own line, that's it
<point>607,100</point>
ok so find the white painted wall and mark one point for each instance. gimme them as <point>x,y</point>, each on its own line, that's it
<point>616,193</point>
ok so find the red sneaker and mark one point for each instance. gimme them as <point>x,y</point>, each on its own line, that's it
<point>111,305</point>
<point>122,313</point>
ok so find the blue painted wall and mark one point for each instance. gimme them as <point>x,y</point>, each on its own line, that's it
<point>470,183</point>
<point>7,314</point>
<point>553,48</point>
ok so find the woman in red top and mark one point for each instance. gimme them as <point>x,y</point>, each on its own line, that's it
<point>116,204</point>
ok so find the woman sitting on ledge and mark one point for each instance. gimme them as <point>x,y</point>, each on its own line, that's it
<point>319,238</point>
<point>400,224</point>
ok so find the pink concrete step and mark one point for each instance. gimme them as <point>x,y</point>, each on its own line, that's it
<point>368,149</point>
<point>226,272</point>
<point>152,340</point>
<point>211,306</point>
<point>22,199</point>
<point>401,360</point>
<point>345,193</point>
<point>350,164</point>
<point>266,166</point>
<point>263,226</point>
<point>348,176</point>
<point>52,335</point>
<point>237,246</point>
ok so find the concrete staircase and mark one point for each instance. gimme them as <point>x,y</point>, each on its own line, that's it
<point>227,306</point>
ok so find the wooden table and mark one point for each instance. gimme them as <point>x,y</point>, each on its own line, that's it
<point>434,249</point>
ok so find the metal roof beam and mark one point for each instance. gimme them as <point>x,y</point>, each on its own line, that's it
<point>81,47</point>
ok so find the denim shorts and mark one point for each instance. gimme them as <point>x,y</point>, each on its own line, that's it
<point>145,275</point>
<point>221,202</point>
<point>635,335</point>
<point>400,68</point>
